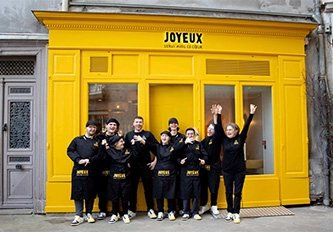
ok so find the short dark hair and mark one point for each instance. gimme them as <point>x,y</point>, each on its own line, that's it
<point>190,129</point>
<point>138,117</point>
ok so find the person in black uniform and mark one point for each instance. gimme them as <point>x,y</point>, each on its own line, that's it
<point>233,166</point>
<point>119,182</point>
<point>165,175</point>
<point>142,166</point>
<point>102,167</point>
<point>83,151</point>
<point>210,173</point>
<point>178,140</point>
<point>193,155</point>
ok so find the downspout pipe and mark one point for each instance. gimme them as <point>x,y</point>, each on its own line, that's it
<point>2,88</point>
<point>323,89</point>
<point>64,5</point>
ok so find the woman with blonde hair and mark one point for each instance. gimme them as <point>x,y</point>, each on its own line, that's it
<point>233,166</point>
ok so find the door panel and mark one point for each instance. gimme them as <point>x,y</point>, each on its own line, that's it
<point>18,145</point>
<point>167,101</point>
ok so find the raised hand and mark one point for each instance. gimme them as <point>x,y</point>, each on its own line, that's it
<point>213,109</point>
<point>252,108</point>
<point>218,109</point>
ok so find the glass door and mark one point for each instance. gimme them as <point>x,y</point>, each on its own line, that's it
<point>260,140</point>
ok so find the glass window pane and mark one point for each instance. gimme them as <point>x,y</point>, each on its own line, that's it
<point>223,95</point>
<point>118,101</point>
<point>260,141</point>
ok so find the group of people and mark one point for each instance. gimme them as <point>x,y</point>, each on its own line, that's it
<point>109,165</point>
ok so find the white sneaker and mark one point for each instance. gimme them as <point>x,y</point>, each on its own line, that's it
<point>214,210</point>
<point>160,216</point>
<point>197,217</point>
<point>171,216</point>
<point>236,218</point>
<point>229,217</point>
<point>77,221</point>
<point>203,209</point>
<point>131,214</point>
<point>113,219</point>
<point>185,217</point>
<point>151,214</point>
<point>101,216</point>
<point>126,219</point>
<point>90,218</point>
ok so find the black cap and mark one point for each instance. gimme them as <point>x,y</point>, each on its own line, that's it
<point>173,120</point>
<point>166,132</point>
<point>112,120</point>
<point>114,139</point>
<point>91,123</point>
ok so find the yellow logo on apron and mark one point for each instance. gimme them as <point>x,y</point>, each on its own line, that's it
<point>163,173</point>
<point>192,173</point>
<point>82,173</point>
<point>119,176</point>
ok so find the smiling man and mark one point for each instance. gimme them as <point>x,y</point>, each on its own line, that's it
<point>141,165</point>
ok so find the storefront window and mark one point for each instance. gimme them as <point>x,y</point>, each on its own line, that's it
<point>259,148</point>
<point>223,95</point>
<point>118,101</point>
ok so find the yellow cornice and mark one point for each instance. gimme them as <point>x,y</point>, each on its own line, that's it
<point>134,22</point>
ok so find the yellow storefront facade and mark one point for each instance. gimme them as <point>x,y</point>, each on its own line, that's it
<point>121,65</point>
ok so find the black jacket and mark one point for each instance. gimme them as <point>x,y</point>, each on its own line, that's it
<point>233,150</point>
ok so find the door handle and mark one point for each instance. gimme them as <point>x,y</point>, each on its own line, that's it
<point>4,127</point>
<point>264,143</point>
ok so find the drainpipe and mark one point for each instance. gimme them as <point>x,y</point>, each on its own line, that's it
<point>64,5</point>
<point>323,92</point>
<point>2,88</point>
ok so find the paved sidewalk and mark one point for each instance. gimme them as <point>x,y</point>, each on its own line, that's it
<point>306,219</point>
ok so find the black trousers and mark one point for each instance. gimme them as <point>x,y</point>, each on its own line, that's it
<point>233,183</point>
<point>146,175</point>
<point>160,205</point>
<point>210,179</point>
<point>101,185</point>
<point>115,207</point>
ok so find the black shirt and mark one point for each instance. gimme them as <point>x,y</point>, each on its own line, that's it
<point>142,153</point>
<point>233,149</point>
